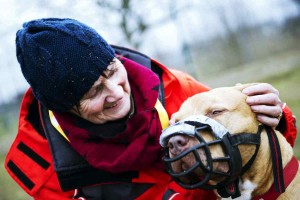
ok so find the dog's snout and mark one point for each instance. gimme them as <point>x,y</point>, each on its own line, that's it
<point>177,144</point>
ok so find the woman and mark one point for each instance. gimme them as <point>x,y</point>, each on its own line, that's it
<point>110,106</point>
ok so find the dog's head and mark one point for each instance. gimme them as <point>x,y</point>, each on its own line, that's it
<point>198,141</point>
<point>227,105</point>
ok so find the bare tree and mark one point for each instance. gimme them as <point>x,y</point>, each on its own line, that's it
<point>298,4</point>
<point>234,16</point>
<point>292,23</point>
<point>131,22</point>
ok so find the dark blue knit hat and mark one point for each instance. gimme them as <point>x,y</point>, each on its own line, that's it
<point>61,59</point>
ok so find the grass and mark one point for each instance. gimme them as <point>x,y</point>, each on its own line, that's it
<point>9,189</point>
<point>281,70</point>
<point>288,85</point>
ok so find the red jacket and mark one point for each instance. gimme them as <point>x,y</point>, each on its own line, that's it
<point>30,163</point>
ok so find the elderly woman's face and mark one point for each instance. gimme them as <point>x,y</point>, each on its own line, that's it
<point>109,97</point>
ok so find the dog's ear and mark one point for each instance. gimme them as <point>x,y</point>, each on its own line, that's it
<point>240,86</point>
<point>173,119</point>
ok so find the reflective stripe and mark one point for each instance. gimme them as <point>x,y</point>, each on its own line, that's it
<point>56,125</point>
<point>162,113</point>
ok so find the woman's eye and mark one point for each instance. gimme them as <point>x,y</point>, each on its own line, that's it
<point>112,72</point>
<point>91,94</point>
<point>99,88</point>
<point>95,91</point>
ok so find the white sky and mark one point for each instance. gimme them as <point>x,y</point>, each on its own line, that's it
<point>190,25</point>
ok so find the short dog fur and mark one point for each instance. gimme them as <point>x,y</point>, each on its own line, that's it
<point>227,105</point>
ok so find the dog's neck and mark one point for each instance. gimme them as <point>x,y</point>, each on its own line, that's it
<point>259,178</point>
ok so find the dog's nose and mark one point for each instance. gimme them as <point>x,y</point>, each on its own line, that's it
<point>177,144</point>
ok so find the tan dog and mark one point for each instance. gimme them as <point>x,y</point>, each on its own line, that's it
<point>228,107</point>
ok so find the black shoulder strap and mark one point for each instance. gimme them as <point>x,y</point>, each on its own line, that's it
<point>145,61</point>
<point>72,170</point>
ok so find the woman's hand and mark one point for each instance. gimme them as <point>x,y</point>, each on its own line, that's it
<point>264,100</point>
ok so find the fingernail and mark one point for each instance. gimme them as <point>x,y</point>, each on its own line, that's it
<point>245,91</point>
<point>249,100</point>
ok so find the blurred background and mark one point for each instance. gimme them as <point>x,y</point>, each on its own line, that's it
<point>219,42</point>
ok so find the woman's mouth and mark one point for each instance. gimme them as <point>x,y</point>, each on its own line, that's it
<point>114,105</point>
<point>111,106</point>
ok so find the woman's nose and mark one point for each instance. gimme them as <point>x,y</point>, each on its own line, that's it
<point>114,91</point>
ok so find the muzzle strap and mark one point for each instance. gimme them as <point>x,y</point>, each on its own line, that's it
<point>194,126</point>
<point>247,138</point>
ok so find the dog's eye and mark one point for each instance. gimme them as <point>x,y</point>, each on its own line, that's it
<point>216,112</point>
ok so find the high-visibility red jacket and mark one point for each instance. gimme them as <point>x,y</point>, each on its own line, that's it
<point>31,163</point>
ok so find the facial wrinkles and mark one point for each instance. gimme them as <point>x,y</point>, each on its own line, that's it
<point>112,94</point>
<point>98,104</point>
<point>98,108</point>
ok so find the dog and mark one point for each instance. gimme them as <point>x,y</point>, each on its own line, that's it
<point>227,106</point>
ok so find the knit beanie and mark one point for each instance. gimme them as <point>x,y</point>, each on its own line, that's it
<point>61,59</point>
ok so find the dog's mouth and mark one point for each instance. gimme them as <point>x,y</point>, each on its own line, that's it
<point>199,173</point>
<point>201,153</point>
